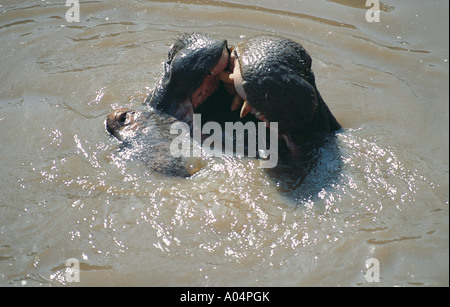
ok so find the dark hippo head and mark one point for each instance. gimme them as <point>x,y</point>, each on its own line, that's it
<point>273,76</point>
<point>145,136</point>
<point>191,75</point>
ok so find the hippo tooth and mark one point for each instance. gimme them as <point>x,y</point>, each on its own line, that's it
<point>237,103</point>
<point>226,76</point>
<point>246,108</point>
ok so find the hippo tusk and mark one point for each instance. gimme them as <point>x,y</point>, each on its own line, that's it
<point>226,76</point>
<point>246,108</point>
<point>237,103</point>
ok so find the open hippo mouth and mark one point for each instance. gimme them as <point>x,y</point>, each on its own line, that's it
<point>191,75</point>
<point>268,76</point>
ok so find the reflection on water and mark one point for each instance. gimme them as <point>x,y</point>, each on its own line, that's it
<point>379,189</point>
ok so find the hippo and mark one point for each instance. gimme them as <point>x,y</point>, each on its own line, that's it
<point>273,80</point>
<point>191,77</point>
<point>189,82</point>
<point>145,136</point>
<point>263,79</point>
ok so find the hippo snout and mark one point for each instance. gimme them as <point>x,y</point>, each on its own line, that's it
<point>119,120</point>
<point>145,137</point>
<point>274,76</point>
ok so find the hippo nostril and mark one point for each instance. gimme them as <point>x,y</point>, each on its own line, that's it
<point>119,120</point>
<point>123,118</point>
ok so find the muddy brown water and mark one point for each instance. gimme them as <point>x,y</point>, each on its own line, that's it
<point>380,191</point>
